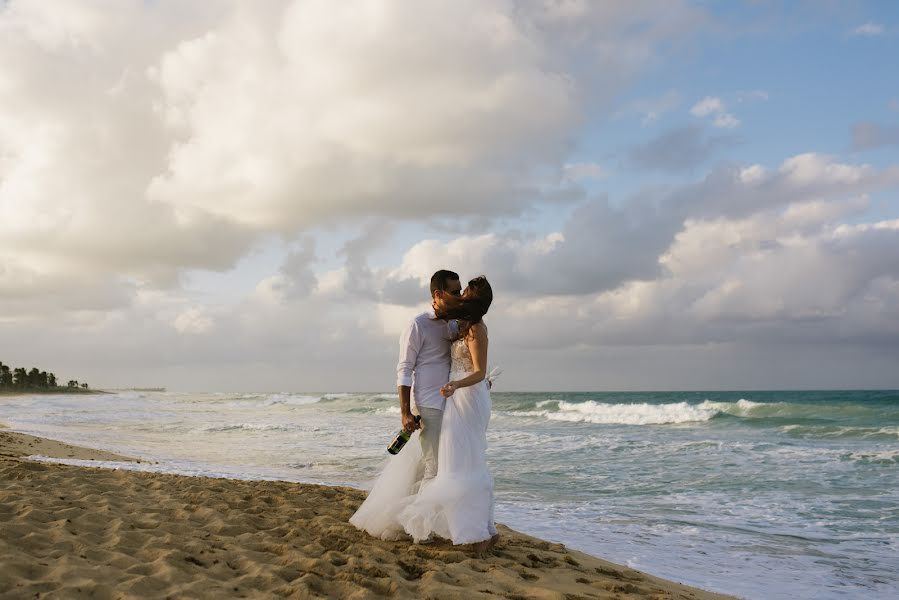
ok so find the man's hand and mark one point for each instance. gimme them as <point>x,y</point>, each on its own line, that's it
<point>410,424</point>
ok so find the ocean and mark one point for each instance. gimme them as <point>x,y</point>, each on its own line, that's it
<point>766,495</point>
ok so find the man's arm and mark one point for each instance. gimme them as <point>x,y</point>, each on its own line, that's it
<point>410,344</point>
<point>409,422</point>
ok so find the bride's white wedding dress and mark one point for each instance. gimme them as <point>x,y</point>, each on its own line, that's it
<point>457,504</point>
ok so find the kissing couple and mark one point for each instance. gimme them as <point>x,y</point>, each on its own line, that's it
<point>439,485</point>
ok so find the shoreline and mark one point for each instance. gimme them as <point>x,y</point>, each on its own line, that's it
<point>15,445</point>
<point>49,392</point>
<point>153,535</point>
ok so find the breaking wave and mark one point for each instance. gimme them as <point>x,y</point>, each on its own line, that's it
<point>621,414</point>
<point>245,427</point>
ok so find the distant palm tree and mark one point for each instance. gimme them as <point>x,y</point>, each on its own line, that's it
<point>33,378</point>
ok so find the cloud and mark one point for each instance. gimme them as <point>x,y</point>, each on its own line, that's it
<point>603,246</point>
<point>128,159</point>
<point>652,109</point>
<point>714,107</point>
<point>30,294</point>
<point>867,135</point>
<point>706,106</point>
<point>598,248</point>
<point>356,251</point>
<point>737,191</point>
<point>726,121</point>
<point>295,279</point>
<point>753,280</point>
<point>869,29</point>
<point>329,113</point>
<point>746,258</point>
<point>580,171</point>
<point>194,320</point>
<point>680,149</point>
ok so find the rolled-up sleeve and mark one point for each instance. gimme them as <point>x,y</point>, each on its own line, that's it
<point>410,344</point>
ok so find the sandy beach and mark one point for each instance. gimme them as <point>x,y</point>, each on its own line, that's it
<point>81,532</point>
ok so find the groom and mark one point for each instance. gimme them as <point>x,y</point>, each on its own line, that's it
<point>424,367</point>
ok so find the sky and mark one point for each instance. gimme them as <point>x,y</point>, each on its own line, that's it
<point>252,196</point>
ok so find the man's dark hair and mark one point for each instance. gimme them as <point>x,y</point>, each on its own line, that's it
<point>439,279</point>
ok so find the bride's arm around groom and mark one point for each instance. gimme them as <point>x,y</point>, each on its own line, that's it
<point>477,346</point>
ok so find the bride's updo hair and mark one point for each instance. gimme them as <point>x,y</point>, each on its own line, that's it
<point>471,306</point>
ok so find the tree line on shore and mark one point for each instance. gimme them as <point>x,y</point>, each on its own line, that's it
<point>33,379</point>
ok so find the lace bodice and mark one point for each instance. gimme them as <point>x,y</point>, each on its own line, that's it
<point>461,356</point>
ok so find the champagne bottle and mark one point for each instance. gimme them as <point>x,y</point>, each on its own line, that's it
<point>401,438</point>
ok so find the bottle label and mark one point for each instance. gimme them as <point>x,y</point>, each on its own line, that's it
<point>401,438</point>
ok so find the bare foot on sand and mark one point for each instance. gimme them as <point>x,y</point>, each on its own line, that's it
<point>492,541</point>
<point>481,548</point>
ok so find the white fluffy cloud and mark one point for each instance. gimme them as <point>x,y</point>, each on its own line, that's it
<point>320,112</point>
<point>141,139</point>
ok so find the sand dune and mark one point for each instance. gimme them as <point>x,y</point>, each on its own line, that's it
<point>75,532</point>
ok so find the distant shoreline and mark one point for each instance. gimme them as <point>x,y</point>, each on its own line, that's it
<point>47,391</point>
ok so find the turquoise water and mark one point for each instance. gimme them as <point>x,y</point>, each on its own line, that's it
<point>767,495</point>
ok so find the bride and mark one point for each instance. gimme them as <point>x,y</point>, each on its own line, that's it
<point>457,504</point>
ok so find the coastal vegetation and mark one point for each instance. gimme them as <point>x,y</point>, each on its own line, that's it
<point>34,380</point>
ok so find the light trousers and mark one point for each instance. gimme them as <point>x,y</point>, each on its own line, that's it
<point>431,421</point>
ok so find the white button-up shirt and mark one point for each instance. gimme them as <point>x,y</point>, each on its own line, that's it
<point>424,362</point>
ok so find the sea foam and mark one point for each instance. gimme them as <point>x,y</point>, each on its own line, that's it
<point>625,414</point>
<point>226,427</point>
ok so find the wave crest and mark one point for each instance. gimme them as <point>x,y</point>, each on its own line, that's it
<point>625,414</point>
<point>244,427</point>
